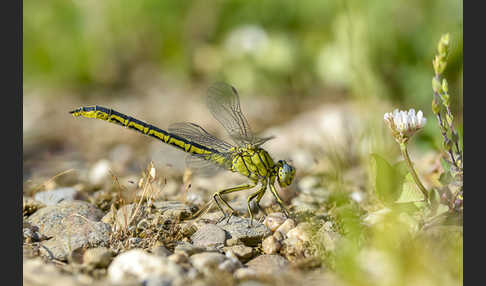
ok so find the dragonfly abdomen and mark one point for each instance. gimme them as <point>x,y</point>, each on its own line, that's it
<point>113,116</point>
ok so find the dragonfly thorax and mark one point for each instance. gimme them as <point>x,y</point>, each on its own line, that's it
<point>254,163</point>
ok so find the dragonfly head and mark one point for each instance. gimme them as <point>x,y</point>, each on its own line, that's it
<point>285,173</point>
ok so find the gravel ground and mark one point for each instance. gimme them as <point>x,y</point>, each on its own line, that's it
<point>93,216</point>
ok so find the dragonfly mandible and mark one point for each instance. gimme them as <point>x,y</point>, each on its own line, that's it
<point>246,156</point>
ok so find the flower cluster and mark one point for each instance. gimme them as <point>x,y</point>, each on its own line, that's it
<point>404,124</point>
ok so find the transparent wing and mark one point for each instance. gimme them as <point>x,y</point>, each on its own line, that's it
<point>197,134</point>
<point>224,103</point>
<point>202,165</point>
<point>208,164</point>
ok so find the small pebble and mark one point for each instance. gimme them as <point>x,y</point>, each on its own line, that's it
<point>240,232</point>
<point>188,249</point>
<point>278,236</point>
<point>301,232</point>
<point>98,257</point>
<point>52,197</point>
<point>209,235</point>
<point>205,260</point>
<point>268,263</point>
<point>99,172</point>
<point>245,273</point>
<point>229,266</point>
<point>286,226</point>
<point>242,252</point>
<point>141,265</point>
<point>160,250</point>
<point>179,258</point>
<point>274,220</point>
<point>271,245</point>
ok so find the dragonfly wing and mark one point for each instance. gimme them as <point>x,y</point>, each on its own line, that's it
<point>202,165</point>
<point>224,103</point>
<point>196,134</point>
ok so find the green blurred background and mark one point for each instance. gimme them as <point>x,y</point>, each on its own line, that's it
<point>352,48</point>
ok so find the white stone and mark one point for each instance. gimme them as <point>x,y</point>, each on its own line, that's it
<point>274,220</point>
<point>99,172</point>
<point>285,227</point>
<point>271,245</point>
<point>141,265</point>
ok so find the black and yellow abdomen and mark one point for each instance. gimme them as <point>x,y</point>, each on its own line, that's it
<point>110,115</point>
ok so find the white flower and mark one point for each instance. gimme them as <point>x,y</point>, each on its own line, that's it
<point>404,124</point>
<point>246,39</point>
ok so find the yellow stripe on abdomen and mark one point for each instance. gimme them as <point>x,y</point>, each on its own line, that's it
<point>110,115</point>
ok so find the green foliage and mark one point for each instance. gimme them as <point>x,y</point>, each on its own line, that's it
<point>387,179</point>
<point>341,45</point>
<point>410,193</point>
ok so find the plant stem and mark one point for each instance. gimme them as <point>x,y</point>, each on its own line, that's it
<point>403,148</point>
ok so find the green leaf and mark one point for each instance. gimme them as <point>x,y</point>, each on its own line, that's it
<point>386,178</point>
<point>434,198</point>
<point>401,169</point>
<point>410,192</point>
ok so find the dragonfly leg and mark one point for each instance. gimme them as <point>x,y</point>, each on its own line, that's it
<point>279,200</point>
<point>260,208</point>
<point>202,211</point>
<point>227,191</point>
<point>220,208</point>
<point>258,194</point>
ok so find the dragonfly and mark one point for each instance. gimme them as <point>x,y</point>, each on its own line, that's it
<point>206,152</point>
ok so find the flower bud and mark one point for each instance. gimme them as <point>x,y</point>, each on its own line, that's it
<point>444,45</point>
<point>449,118</point>
<point>445,86</point>
<point>436,86</point>
<point>435,105</point>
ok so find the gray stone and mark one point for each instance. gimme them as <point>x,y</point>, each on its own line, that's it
<point>229,266</point>
<point>240,230</point>
<point>75,236</point>
<point>188,249</point>
<point>50,220</point>
<point>268,263</point>
<point>205,260</point>
<point>71,225</point>
<point>160,250</point>
<point>174,209</point>
<point>242,252</point>
<point>252,283</point>
<point>157,281</point>
<point>245,273</point>
<point>36,272</point>
<point>53,197</point>
<point>209,235</point>
<point>98,257</point>
<point>178,258</point>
